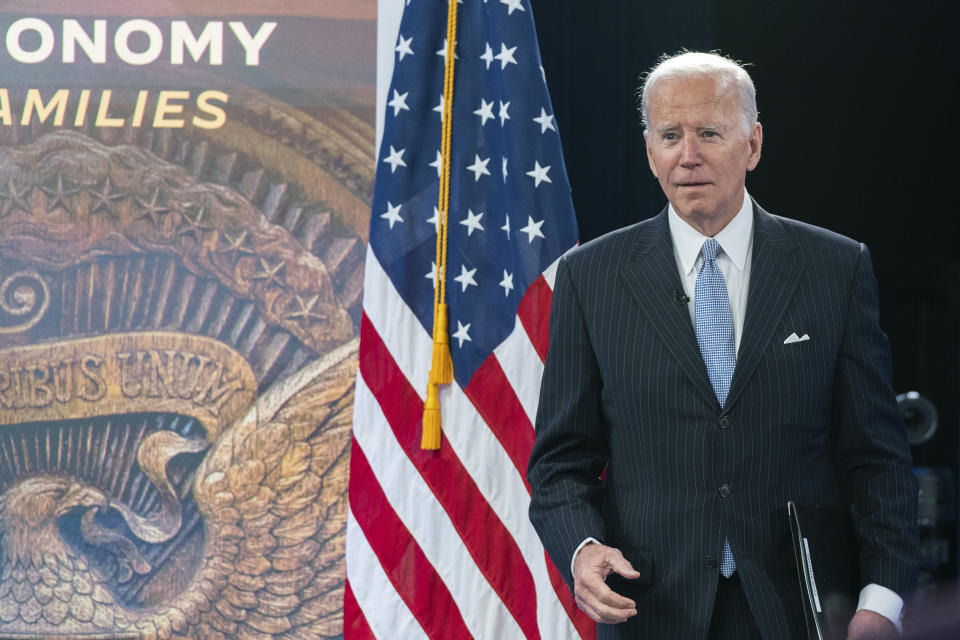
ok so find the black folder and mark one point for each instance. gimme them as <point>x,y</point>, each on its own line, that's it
<point>827,557</point>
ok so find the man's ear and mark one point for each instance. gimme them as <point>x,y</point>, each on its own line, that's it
<point>756,142</point>
<point>646,140</point>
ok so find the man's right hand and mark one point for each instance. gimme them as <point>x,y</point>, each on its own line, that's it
<point>592,565</point>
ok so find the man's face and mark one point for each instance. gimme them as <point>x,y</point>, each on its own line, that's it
<point>698,150</point>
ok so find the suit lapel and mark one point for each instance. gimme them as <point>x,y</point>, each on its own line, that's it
<point>774,274</point>
<point>651,275</point>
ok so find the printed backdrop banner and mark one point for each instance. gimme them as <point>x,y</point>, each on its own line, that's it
<point>185,196</point>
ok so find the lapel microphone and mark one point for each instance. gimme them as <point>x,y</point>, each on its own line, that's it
<point>680,297</point>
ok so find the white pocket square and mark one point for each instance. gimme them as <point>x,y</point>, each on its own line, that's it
<point>794,338</point>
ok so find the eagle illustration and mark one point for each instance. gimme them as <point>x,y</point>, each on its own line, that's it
<point>40,576</point>
<point>149,523</point>
<point>273,511</point>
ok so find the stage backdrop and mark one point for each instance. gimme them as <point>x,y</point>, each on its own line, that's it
<point>185,192</point>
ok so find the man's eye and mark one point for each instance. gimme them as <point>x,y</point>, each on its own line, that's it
<point>669,136</point>
<point>709,134</point>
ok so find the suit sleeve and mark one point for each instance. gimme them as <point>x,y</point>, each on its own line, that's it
<point>872,448</point>
<point>570,449</point>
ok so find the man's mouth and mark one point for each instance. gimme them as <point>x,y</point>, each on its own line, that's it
<point>693,184</point>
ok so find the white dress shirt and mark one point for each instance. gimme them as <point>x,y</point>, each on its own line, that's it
<point>736,243</point>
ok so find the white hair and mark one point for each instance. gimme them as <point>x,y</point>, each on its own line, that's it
<point>728,74</point>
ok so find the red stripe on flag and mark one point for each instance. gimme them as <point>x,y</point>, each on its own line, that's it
<point>355,625</point>
<point>495,400</point>
<point>402,559</point>
<point>534,315</point>
<point>485,537</point>
<point>498,405</point>
<point>586,627</point>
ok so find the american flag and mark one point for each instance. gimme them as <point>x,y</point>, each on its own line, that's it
<point>438,542</point>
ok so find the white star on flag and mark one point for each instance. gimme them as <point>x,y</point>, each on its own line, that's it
<point>466,277</point>
<point>461,333</point>
<point>505,56</point>
<point>479,167</point>
<point>392,214</point>
<point>512,5</point>
<point>506,226</point>
<point>545,121</point>
<point>504,168</point>
<point>443,52</point>
<point>507,283</point>
<point>485,111</point>
<point>403,46</point>
<point>433,273</point>
<point>472,221</point>
<point>395,159</point>
<point>438,163</point>
<point>399,102</point>
<point>439,108</point>
<point>487,55</point>
<point>539,174</point>
<point>533,229</point>
<point>435,219</point>
<point>504,116</point>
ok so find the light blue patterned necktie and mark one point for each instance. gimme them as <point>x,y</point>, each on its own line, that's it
<point>714,325</point>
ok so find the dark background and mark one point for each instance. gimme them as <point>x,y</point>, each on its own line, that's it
<point>861,135</point>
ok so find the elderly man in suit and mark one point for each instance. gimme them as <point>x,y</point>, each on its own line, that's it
<point>706,366</point>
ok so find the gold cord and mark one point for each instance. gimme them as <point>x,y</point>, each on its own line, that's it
<point>441,366</point>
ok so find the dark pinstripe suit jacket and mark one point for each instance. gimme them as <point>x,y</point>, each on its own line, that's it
<point>625,387</point>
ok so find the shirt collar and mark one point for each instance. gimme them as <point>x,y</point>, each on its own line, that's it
<point>734,238</point>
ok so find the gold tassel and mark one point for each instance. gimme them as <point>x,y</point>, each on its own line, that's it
<point>441,367</point>
<point>430,438</point>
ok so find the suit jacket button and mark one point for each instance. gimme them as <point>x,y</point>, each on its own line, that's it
<point>709,562</point>
<point>724,491</point>
<point>724,422</point>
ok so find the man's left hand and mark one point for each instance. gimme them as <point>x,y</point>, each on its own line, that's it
<point>869,625</point>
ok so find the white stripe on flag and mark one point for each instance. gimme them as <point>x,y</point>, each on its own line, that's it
<point>550,275</point>
<point>389,314</point>
<point>501,485</point>
<point>427,521</point>
<point>385,612</point>
<point>522,366</point>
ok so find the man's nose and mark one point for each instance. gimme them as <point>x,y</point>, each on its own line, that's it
<point>690,151</point>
